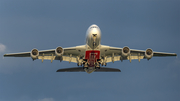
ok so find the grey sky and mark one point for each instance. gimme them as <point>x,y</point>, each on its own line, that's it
<point>139,24</point>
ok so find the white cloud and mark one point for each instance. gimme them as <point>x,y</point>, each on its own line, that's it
<point>2,47</point>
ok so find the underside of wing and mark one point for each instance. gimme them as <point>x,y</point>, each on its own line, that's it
<point>164,54</point>
<point>118,58</point>
<point>71,54</point>
<point>23,54</point>
<point>111,54</point>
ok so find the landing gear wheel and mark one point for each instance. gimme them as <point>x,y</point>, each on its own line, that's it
<point>85,67</point>
<point>97,67</point>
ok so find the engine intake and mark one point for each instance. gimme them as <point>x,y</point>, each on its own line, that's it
<point>148,53</point>
<point>34,54</point>
<point>59,51</point>
<point>125,51</point>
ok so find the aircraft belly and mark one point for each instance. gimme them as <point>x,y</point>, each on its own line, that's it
<point>90,70</point>
<point>92,56</point>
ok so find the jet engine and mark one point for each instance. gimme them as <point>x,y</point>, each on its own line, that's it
<point>34,54</point>
<point>125,51</point>
<point>148,53</point>
<point>59,51</point>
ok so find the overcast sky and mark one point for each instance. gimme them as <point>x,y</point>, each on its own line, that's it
<point>138,24</point>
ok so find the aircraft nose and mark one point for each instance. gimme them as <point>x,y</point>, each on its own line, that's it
<point>94,36</point>
<point>94,31</point>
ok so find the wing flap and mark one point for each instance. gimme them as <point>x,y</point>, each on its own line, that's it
<point>70,59</point>
<point>117,58</point>
<point>64,58</point>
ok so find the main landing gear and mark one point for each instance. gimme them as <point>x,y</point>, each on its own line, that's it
<point>97,65</point>
<point>85,65</point>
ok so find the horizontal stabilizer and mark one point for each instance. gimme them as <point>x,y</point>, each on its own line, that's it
<point>80,69</point>
<point>104,69</point>
<point>74,69</point>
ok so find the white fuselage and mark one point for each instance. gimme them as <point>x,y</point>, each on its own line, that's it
<point>93,37</point>
<point>93,42</point>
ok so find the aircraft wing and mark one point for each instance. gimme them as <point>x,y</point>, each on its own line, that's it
<point>70,54</point>
<point>115,54</point>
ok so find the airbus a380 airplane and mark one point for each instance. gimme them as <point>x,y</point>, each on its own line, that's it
<point>91,55</point>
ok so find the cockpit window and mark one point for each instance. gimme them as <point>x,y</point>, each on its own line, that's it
<point>93,27</point>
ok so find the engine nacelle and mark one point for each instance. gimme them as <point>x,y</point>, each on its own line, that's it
<point>125,51</point>
<point>59,51</point>
<point>34,54</point>
<point>148,53</point>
